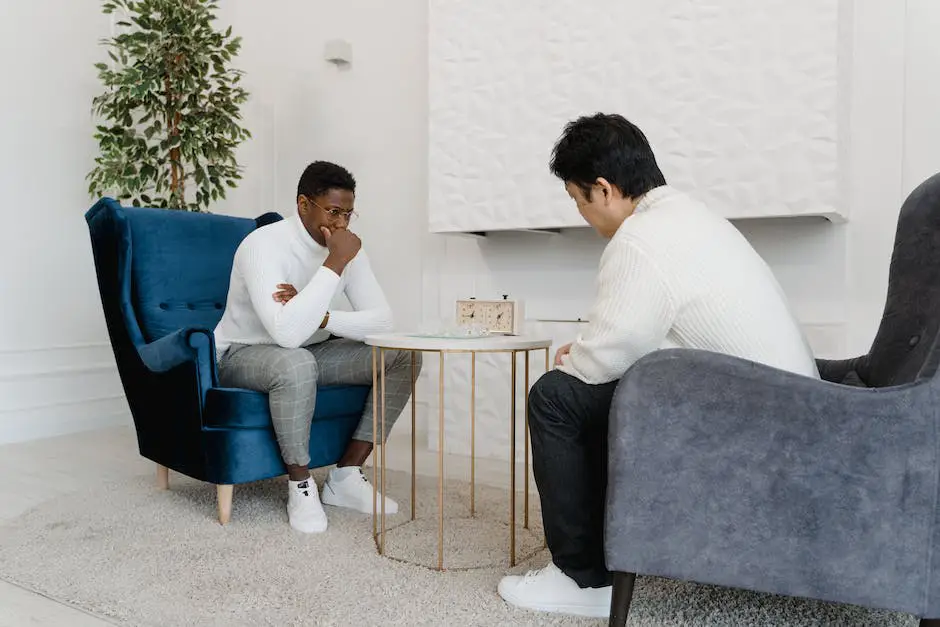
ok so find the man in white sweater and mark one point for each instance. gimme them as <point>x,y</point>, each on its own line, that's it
<point>281,334</point>
<point>673,274</point>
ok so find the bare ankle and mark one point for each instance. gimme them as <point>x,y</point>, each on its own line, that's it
<point>356,453</point>
<point>297,472</point>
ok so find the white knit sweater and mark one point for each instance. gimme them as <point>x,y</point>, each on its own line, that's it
<point>676,274</point>
<point>284,252</point>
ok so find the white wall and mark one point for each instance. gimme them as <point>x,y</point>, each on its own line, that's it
<point>56,369</point>
<point>922,93</point>
<point>739,112</point>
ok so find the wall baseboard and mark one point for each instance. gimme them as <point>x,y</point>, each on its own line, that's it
<point>57,390</point>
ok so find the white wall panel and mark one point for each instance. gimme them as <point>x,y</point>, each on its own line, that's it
<point>740,102</point>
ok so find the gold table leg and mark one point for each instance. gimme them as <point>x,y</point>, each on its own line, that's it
<point>525,524</point>
<point>382,440</point>
<point>414,413</point>
<point>440,468</point>
<point>512,468</point>
<point>473,413</point>
<point>375,429</point>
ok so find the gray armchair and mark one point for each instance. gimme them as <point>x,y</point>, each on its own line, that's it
<point>727,472</point>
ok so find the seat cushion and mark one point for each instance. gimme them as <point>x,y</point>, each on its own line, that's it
<point>236,408</point>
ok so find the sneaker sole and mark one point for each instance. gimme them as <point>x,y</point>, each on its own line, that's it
<point>326,499</point>
<point>589,611</point>
<point>317,529</point>
<point>571,610</point>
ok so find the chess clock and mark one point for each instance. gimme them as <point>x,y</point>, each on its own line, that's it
<point>502,317</point>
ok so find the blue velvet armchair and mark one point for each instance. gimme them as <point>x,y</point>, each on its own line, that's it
<point>731,473</point>
<point>163,277</point>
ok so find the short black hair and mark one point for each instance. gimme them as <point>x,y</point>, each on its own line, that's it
<point>321,176</point>
<point>609,146</point>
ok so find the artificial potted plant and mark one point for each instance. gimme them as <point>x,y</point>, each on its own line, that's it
<point>170,116</point>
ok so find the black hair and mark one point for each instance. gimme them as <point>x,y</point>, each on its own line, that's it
<point>608,146</point>
<point>321,176</point>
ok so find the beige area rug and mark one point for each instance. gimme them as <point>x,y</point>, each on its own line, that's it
<point>137,556</point>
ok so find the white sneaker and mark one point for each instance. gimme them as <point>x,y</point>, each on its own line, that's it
<point>551,590</point>
<point>348,487</point>
<point>303,507</point>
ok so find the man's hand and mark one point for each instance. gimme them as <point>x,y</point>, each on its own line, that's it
<point>564,350</point>
<point>285,292</point>
<point>344,245</point>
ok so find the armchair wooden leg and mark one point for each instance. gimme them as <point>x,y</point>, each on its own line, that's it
<point>224,498</point>
<point>621,598</point>
<point>930,622</point>
<point>163,477</point>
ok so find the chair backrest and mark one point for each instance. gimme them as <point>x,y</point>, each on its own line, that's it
<point>179,264</point>
<point>905,347</point>
<point>180,267</point>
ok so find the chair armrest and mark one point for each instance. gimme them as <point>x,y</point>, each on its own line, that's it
<point>841,370</point>
<point>183,346</point>
<point>729,472</point>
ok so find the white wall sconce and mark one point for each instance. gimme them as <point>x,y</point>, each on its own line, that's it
<point>338,52</point>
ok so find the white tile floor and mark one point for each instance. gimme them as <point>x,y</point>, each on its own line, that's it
<point>34,472</point>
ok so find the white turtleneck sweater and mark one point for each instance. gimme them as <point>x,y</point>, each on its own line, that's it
<point>677,275</point>
<point>283,252</point>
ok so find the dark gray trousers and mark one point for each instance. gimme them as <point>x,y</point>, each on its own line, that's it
<point>568,426</point>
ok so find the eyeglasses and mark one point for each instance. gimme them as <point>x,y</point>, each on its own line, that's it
<point>346,214</point>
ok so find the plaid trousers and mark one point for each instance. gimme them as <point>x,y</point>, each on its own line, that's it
<point>290,378</point>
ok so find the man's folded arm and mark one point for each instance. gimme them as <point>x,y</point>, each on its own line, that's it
<point>290,324</point>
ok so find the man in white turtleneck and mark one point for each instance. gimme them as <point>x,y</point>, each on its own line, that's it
<point>673,274</point>
<point>279,334</point>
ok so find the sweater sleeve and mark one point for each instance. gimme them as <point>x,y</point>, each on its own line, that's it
<point>290,324</point>
<point>631,316</point>
<point>371,313</point>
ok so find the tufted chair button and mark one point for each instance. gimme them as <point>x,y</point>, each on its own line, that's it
<point>914,341</point>
<point>190,306</point>
<point>164,306</point>
<point>218,305</point>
